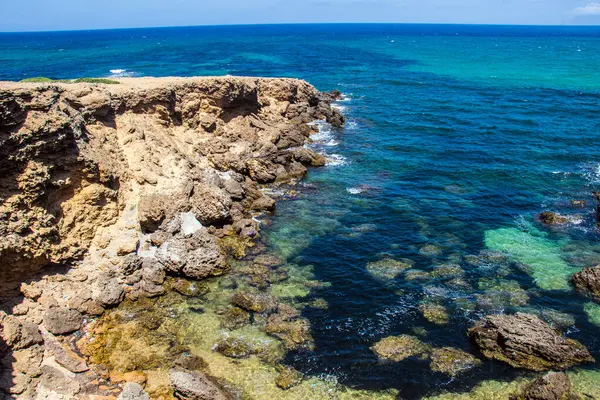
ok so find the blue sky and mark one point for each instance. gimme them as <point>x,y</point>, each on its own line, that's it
<point>26,15</point>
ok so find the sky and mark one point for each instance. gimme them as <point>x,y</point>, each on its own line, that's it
<point>36,15</point>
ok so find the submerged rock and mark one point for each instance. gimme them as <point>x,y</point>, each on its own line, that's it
<point>452,361</point>
<point>588,281</point>
<point>388,268</point>
<point>525,341</point>
<point>398,348</point>
<point>434,313</point>
<point>551,386</point>
<point>288,377</point>
<point>233,347</point>
<point>235,318</point>
<point>255,302</point>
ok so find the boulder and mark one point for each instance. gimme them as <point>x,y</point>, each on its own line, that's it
<point>108,291</point>
<point>62,320</point>
<point>588,281</point>
<point>308,157</point>
<point>210,204</point>
<point>551,386</point>
<point>525,341</point>
<point>264,203</point>
<point>196,257</point>
<point>195,386</point>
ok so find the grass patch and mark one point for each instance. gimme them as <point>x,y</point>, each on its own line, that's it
<point>43,79</point>
<point>97,80</point>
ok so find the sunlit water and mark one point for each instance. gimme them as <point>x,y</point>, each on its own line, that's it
<point>456,138</point>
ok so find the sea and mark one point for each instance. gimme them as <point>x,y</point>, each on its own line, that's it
<point>456,138</point>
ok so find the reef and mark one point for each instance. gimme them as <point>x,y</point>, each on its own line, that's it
<point>130,192</point>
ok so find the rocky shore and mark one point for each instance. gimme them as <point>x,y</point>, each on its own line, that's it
<point>129,192</point>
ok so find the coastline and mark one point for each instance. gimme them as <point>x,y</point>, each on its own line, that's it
<point>118,187</point>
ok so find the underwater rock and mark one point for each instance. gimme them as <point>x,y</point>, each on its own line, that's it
<point>190,362</point>
<point>434,313</point>
<point>551,218</point>
<point>451,361</point>
<point>525,341</point>
<point>196,386</point>
<point>588,281</point>
<point>430,250</point>
<point>267,259</point>
<point>398,348</point>
<point>551,386</point>
<point>288,377</point>
<point>62,320</point>
<point>416,275</point>
<point>189,289</point>
<point>287,326</point>
<point>235,318</point>
<point>447,271</point>
<point>388,268</point>
<point>255,302</point>
<point>233,347</point>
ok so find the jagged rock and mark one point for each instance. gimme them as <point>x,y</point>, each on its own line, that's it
<point>256,302</point>
<point>195,386</point>
<point>61,320</point>
<point>108,291</point>
<point>308,157</point>
<point>20,334</point>
<point>551,386</point>
<point>264,203</point>
<point>63,355</point>
<point>294,331</point>
<point>210,204</point>
<point>588,281</point>
<point>551,218</point>
<point>133,391</point>
<point>525,341</point>
<point>197,257</point>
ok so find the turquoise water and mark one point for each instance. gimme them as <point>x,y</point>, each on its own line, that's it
<point>456,138</point>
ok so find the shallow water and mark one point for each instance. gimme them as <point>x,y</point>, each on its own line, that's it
<point>456,138</point>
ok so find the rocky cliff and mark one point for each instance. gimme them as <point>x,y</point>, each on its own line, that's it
<point>105,189</point>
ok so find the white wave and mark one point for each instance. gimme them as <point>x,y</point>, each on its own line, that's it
<point>335,160</point>
<point>332,143</point>
<point>338,107</point>
<point>121,73</point>
<point>355,190</point>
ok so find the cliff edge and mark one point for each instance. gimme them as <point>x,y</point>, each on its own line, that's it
<point>105,189</point>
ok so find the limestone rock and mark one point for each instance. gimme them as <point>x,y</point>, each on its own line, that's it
<point>452,361</point>
<point>398,348</point>
<point>525,341</point>
<point>551,218</point>
<point>195,386</point>
<point>288,377</point>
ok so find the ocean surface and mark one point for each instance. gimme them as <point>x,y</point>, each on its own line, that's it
<point>457,137</point>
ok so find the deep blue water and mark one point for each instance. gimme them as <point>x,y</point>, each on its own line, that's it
<point>456,136</point>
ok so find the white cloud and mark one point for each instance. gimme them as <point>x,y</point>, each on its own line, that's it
<point>588,9</point>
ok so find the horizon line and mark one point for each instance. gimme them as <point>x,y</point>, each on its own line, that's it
<point>303,23</point>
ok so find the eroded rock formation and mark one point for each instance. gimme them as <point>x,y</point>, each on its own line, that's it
<point>107,189</point>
